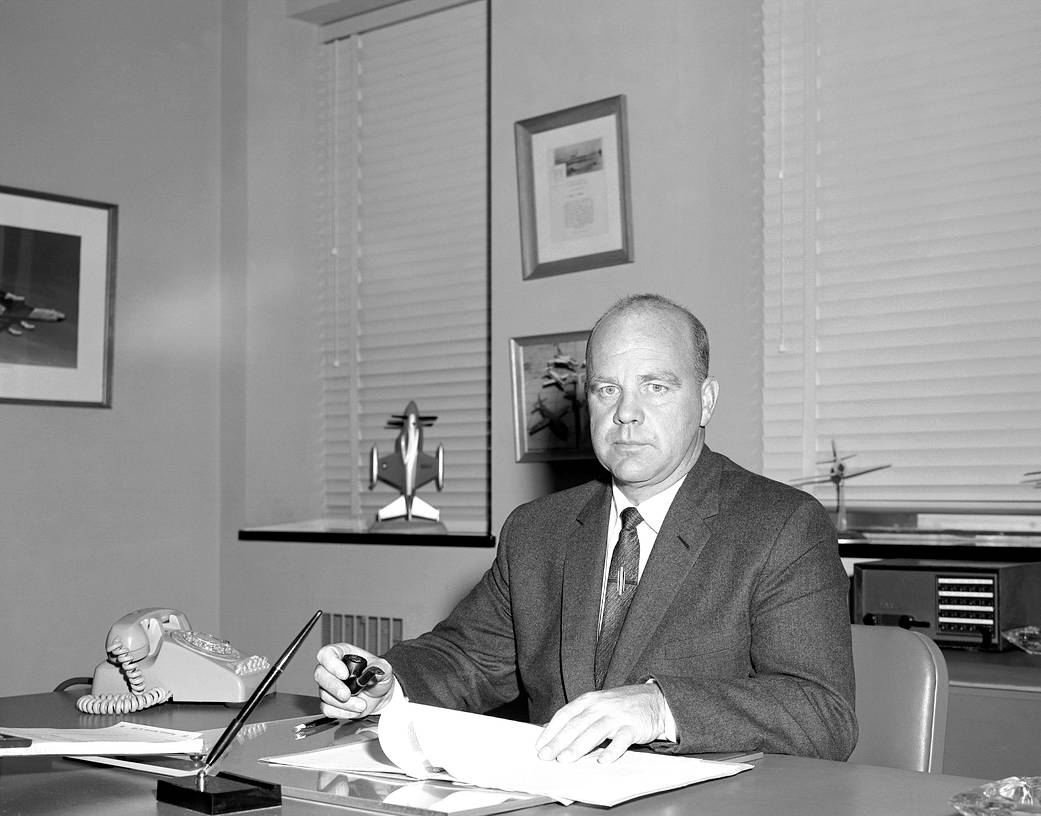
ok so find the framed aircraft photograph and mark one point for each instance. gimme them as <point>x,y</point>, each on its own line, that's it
<point>57,278</point>
<point>550,415</point>
<point>573,189</point>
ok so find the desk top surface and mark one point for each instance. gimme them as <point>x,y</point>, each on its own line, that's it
<point>778,785</point>
<point>1012,670</point>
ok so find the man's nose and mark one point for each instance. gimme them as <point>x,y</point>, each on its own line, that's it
<point>628,409</point>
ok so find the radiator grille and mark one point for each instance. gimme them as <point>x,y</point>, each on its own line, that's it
<point>373,633</point>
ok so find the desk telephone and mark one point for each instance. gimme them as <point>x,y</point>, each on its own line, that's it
<point>154,656</point>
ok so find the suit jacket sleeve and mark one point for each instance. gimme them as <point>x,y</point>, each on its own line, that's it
<point>468,661</point>
<point>797,697</point>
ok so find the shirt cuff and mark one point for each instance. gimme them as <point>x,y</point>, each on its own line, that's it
<point>392,699</point>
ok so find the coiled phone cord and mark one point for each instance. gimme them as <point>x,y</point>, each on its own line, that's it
<point>137,699</point>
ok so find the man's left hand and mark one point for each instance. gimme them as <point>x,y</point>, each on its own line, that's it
<point>626,715</point>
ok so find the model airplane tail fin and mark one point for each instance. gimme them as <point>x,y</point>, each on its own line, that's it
<point>399,509</point>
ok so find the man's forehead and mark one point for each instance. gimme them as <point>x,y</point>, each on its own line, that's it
<point>646,334</point>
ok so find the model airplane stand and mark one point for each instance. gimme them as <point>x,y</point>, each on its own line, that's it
<point>403,526</point>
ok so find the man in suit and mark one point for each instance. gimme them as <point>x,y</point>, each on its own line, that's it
<point>734,637</point>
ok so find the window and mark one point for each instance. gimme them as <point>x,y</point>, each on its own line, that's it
<point>404,269</point>
<point>903,246</point>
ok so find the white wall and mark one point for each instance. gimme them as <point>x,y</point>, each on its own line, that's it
<point>104,511</point>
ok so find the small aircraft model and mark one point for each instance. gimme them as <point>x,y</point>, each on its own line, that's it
<point>408,468</point>
<point>837,474</point>
<point>17,316</point>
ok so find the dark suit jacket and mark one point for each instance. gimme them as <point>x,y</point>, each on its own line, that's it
<point>741,615</point>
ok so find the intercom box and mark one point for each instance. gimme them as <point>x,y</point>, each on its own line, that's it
<point>956,603</point>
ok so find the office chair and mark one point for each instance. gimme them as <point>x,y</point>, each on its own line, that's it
<point>901,700</point>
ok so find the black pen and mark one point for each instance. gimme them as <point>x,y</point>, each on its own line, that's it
<point>310,731</point>
<point>318,722</point>
<point>254,699</point>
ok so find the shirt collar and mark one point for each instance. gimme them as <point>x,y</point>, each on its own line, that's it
<point>653,510</point>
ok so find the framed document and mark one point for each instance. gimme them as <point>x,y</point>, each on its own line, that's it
<point>573,189</point>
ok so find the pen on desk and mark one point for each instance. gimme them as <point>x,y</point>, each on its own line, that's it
<point>236,724</point>
<point>317,722</point>
<point>310,731</point>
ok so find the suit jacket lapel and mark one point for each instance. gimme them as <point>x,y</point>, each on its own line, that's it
<point>582,585</point>
<point>680,541</point>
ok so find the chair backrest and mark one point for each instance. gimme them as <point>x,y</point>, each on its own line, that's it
<point>901,702</point>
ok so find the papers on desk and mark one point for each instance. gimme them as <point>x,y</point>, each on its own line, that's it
<point>424,742</point>
<point>121,738</point>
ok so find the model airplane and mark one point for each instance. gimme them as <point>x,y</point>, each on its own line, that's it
<point>17,316</point>
<point>1034,478</point>
<point>837,474</point>
<point>408,468</point>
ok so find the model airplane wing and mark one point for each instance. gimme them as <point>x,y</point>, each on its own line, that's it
<point>427,468</point>
<point>861,472</point>
<point>391,469</point>
<point>806,480</point>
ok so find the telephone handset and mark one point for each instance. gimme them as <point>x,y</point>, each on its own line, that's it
<point>154,656</point>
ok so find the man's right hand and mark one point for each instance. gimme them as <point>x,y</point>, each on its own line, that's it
<point>337,700</point>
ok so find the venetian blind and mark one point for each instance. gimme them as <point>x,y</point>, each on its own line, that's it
<point>404,271</point>
<point>902,244</point>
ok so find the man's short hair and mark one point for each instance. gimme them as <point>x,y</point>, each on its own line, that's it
<point>651,303</point>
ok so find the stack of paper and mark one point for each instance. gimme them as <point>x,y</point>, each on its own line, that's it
<point>423,742</point>
<point>121,738</point>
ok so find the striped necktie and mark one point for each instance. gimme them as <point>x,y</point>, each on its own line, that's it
<point>621,586</point>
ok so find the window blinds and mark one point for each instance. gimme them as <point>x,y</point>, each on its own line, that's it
<point>902,244</point>
<point>404,278</point>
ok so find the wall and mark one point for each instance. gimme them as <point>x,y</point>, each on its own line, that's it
<point>105,511</point>
<point>690,73</point>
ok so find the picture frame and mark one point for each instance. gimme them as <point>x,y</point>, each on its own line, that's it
<point>550,414</point>
<point>57,289</point>
<point>573,189</point>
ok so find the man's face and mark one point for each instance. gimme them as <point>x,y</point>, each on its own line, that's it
<point>646,402</point>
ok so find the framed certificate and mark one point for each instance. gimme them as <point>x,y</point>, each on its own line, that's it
<point>573,189</point>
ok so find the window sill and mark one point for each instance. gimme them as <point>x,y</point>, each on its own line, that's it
<point>321,531</point>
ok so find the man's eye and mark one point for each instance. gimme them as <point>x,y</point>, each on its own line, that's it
<point>607,390</point>
<point>658,388</point>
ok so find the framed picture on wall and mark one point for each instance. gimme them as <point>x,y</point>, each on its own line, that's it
<point>57,278</point>
<point>573,189</point>
<point>550,415</point>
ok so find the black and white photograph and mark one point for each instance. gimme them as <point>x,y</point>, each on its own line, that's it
<point>57,278</point>
<point>423,407</point>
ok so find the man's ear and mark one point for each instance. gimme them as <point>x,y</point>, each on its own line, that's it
<point>709,392</point>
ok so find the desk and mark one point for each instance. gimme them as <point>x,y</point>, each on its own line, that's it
<point>778,785</point>
<point>994,713</point>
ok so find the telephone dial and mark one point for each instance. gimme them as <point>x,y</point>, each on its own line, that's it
<point>154,656</point>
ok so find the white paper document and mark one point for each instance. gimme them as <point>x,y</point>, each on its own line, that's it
<point>121,738</point>
<point>424,742</point>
